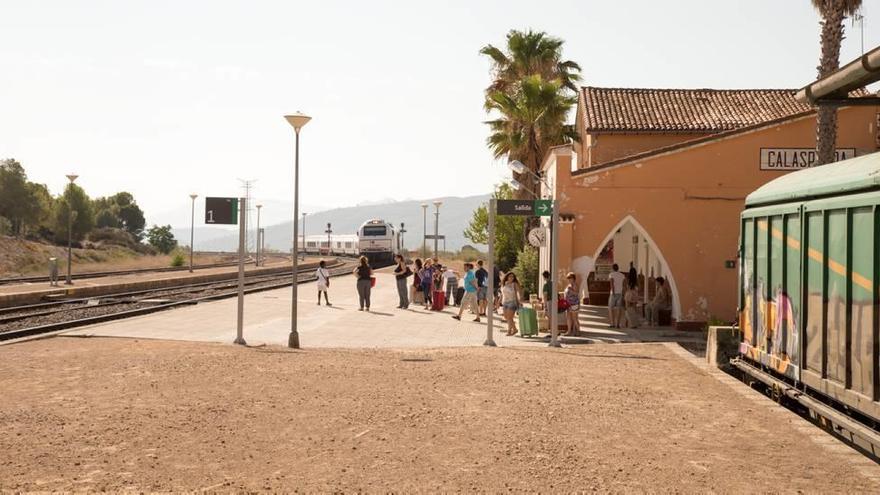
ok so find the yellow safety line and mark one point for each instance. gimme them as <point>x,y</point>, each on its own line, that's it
<point>838,268</point>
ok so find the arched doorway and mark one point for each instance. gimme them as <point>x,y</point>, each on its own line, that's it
<point>629,242</point>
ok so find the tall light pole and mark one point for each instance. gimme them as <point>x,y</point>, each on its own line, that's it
<point>192,228</point>
<point>424,230</point>
<point>258,234</point>
<point>297,120</point>
<point>304,235</point>
<point>70,214</point>
<point>436,226</point>
<point>402,231</point>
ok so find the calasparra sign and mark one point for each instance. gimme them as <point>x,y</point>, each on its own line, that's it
<point>797,158</point>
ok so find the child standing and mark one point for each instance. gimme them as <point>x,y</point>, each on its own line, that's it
<point>323,276</point>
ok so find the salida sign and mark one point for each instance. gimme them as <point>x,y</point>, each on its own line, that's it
<point>797,158</point>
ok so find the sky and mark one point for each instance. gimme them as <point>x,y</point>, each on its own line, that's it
<point>168,98</point>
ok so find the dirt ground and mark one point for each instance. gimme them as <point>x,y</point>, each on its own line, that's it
<point>113,414</point>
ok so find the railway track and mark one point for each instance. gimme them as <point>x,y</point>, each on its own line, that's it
<point>76,276</point>
<point>36,319</point>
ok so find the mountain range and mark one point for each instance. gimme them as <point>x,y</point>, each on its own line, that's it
<point>455,214</point>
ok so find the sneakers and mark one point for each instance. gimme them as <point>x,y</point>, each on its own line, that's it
<point>477,319</point>
<point>456,317</point>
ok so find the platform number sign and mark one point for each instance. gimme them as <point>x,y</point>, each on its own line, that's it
<point>221,211</point>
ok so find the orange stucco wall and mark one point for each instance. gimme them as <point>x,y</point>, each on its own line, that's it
<point>603,148</point>
<point>688,203</point>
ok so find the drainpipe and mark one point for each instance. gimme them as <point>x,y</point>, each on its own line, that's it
<point>862,71</point>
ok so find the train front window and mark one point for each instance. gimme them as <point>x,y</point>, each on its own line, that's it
<point>374,230</point>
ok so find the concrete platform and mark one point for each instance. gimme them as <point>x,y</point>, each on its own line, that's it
<point>28,293</point>
<point>267,321</point>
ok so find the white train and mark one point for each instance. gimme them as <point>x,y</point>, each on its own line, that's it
<point>378,240</point>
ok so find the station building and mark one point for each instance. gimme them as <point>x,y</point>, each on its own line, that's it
<point>660,176</point>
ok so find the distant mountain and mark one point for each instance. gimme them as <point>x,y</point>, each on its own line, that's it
<point>455,214</point>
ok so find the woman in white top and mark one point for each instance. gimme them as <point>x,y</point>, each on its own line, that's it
<point>510,300</point>
<point>323,276</point>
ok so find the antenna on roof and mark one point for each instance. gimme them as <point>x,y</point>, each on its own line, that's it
<point>860,18</point>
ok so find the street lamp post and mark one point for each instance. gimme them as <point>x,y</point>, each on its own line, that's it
<point>424,230</point>
<point>402,231</point>
<point>297,120</point>
<point>258,235</point>
<point>436,226</point>
<point>192,228</point>
<point>70,213</point>
<point>304,236</point>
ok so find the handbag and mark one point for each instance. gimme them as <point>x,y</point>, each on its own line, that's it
<point>372,281</point>
<point>562,305</point>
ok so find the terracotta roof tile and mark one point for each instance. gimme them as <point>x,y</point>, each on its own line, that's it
<point>686,110</point>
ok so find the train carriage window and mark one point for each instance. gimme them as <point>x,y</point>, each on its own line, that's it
<point>348,245</point>
<point>374,230</point>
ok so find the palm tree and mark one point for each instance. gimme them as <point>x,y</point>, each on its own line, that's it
<point>532,120</point>
<point>532,91</point>
<point>833,12</point>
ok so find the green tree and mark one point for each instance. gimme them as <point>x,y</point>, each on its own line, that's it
<point>74,207</point>
<point>120,211</point>
<point>21,202</point>
<point>508,230</point>
<point>161,238</point>
<point>526,269</point>
<point>833,13</point>
<point>530,120</point>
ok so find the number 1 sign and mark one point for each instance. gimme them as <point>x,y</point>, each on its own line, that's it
<point>222,211</point>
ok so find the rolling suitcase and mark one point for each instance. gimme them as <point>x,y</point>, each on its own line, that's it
<point>438,300</point>
<point>528,322</point>
<point>458,295</point>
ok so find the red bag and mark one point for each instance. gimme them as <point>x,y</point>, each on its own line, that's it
<point>372,281</point>
<point>562,305</point>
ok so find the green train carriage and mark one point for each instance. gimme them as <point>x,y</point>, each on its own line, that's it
<point>808,281</point>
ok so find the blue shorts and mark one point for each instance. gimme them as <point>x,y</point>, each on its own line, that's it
<point>615,301</point>
<point>481,293</point>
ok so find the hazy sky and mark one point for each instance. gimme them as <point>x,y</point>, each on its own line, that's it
<point>164,98</point>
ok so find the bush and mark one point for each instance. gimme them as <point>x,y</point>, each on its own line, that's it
<point>526,270</point>
<point>178,258</point>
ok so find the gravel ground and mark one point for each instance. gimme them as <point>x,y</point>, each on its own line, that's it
<point>112,414</point>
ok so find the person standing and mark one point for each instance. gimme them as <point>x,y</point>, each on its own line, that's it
<point>482,287</point>
<point>547,290</point>
<point>572,297</point>
<point>364,283</point>
<point>451,283</point>
<point>631,303</point>
<point>510,300</point>
<point>615,300</point>
<point>53,272</point>
<point>416,287</point>
<point>632,276</point>
<point>427,279</point>
<point>470,293</point>
<point>401,273</point>
<point>322,274</point>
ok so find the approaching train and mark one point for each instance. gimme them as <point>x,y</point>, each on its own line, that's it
<point>809,306</point>
<point>378,240</point>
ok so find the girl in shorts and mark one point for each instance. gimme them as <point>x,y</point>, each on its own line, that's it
<point>510,300</point>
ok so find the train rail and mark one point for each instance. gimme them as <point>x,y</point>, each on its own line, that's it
<point>25,321</point>
<point>132,271</point>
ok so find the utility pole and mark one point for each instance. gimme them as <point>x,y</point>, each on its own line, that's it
<point>247,185</point>
<point>304,237</point>
<point>70,215</point>
<point>424,230</point>
<point>402,231</point>
<point>192,229</point>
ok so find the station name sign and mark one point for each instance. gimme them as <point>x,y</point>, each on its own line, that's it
<point>797,158</point>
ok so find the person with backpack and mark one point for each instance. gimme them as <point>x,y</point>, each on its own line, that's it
<point>401,273</point>
<point>470,294</point>
<point>322,274</point>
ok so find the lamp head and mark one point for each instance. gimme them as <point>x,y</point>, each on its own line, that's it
<point>438,203</point>
<point>259,206</point>
<point>72,177</point>
<point>425,205</point>
<point>297,120</point>
<point>516,184</point>
<point>193,196</point>
<point>516,166</point>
